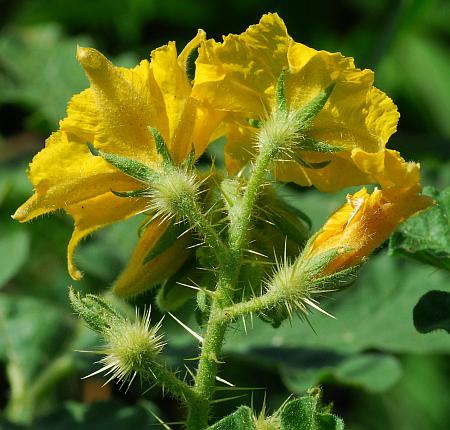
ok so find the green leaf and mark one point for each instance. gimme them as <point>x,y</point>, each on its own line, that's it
<point>14,250</point>
<point>99,416</point>
<point>38,68</point>
<point>242,419</point>
<point>432,312</point>
<point>33,334</point>
<point>133,168</point>
<point>306,413</point>
<point>426,236</point>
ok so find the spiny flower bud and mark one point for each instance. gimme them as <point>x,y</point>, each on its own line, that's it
<point>360,226</point>
<point>174,194</point>
<point>132,349</point>
<point>332,256</point>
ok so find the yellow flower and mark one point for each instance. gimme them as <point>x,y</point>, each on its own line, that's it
<point>114,114</point>
<point>363,224</point>
<point>240,76</point>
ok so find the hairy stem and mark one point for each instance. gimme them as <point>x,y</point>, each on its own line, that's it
<point>197,219</point>
<point>229,265</point>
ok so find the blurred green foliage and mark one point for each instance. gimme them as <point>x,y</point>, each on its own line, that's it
<point>376,368</point>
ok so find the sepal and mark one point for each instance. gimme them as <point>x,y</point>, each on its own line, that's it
<point>96,313</point>
<point>132,168</point>
<point>306,115</point>
<point>161,146</point>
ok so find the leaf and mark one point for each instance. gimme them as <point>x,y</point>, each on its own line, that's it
<point>98,416</point>
<point>426,236</point>
<point>33,334</point>
<point>38,68</point>
<point>374,313</point>
<point>432,312</point>
<point>306,413</point>
<point>242,419</point>
<point>375,373</point>
<point>14,250</point>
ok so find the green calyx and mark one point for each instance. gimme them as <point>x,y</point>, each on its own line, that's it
<point>294,134</point>
<point>161,146</point>
<point>306,115</point>
<point>130,167</point>
<point>97,314</point>
<point>280,97</point>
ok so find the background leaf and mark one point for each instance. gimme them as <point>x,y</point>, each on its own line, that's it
<point>426,236</point>
<point>432,312</point>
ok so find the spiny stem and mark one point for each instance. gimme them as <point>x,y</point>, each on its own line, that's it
<point>197,219</point>
<point>175,386</point>
<point>239,229</point>
<point>229,266</point>
<point>256,304</point>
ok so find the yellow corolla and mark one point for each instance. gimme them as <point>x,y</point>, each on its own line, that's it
<point>363,224</point>
<point>114,115</point>
<point>240,76</point>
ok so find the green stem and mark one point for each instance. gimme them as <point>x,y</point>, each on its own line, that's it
<point>240,226</point>
<point>172,384</point>
<point>229,265</point>
<point>23,402</point>
<point>256,304</point>
<point>192,212</point>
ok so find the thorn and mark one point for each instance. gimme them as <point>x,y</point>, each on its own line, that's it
<point>224,381</point>
<point>188,329</point>
<point>312,304</point>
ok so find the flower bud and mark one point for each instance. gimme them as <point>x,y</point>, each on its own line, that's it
<point>132,349</point>
<point>358,228</point>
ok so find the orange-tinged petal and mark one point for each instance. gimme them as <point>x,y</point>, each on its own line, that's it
<point>92,214</point>
<point>364,223</point>
<point>139,276</point>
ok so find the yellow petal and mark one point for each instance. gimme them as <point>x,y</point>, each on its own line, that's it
<point>65,173</point>
<point>194,43</point>
<point>127,102</point>
<point>92,214</point>
<point>356,114</point>
<point>388,169</point>
<point>239,74</point>
<point>139,276</point>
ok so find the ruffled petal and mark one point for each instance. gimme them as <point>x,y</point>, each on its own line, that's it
<point>239,74</point>
<point>356,114</point>
<point>388,169</point>
<point>65,173</point>
<point>97,212</point>
<point>139,276</point>
<point>128,102</point>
